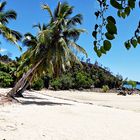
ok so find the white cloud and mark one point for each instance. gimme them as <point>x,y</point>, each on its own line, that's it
<point>2,50</point>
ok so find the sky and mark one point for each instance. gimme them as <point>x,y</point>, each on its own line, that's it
<point>118,59</point>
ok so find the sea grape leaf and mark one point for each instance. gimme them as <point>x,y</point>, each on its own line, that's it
<point>109,36</point>
<point>107,45</point>
<point>115,4</point>
<point>112,19</point>
<point>127,45</point>
<point>111,28</point>
<point>134,42</point>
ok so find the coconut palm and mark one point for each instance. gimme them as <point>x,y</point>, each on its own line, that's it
<point>5,16</point>
<point>53,47</point>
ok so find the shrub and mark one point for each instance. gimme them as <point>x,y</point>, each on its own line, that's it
<point>83,80</point>
<point>38,84</point>
<point>105,88</point>
<point>56,84</point>
<point>6,80</point>
<point>66,81</point>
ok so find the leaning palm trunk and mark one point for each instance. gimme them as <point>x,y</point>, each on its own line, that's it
<point>20,92</point>
<point>24,87</point>
<point>20,84</point>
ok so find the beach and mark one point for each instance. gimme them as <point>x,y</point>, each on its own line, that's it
<point>71,115</point>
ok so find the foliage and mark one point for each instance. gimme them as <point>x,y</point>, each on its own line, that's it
<point>5,16</point>
<point>6,80</point>
<point>64,82</point>
<point>106,28</point>
<point>85,77</point>
<point>105,88</point>
<point>56,84</point>
<point>62,34</point>
<point>132,83</point>
<point>7,74</point>
<point>83,80</point>
<point>38,84</point>
<point>103,76</point>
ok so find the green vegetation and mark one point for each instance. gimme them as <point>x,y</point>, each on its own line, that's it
<point>41,58</point>
<point>106,28</point>
<point>105,88</point>
<point>132,83</point>
<point>6,73</point>
<point>38,84</point>
<point>86,77</point>
<point>83,80</point>
<point>76,77</point>
<point>9,34</point>
<point>6,80</point>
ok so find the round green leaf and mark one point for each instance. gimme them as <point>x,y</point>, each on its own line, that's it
<point>111,28</point>
<point>127,45</point>
<point>115,4</point>
<point>103,50</point>
<point>95,43</point>
<point>94,34</point>
<point>131,3</point>
<point>134,42</point>
<point>109,36</point>
<point>95,49</point>
<point>99,54</point>
<point>107,45</point>
<point>112,19</point>
<point>119,13</point>
<point>123,15</point>
<point>96,26</point>
<point>127,11</point>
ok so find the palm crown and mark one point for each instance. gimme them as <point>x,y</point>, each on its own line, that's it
<point>55,42</point>
<point>9,34</point>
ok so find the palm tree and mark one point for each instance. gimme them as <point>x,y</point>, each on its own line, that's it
<point>52,49</point>
<point>9,34</point>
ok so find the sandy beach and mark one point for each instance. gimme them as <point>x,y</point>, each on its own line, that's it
<point>71,115</point>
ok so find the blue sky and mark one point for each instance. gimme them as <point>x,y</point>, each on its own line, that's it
<point>119,60</point>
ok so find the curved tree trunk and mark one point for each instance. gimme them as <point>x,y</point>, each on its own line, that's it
<point>24,87</point>
<point>20,84</point>
<point>20,92</point>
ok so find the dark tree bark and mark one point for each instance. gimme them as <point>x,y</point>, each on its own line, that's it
<point>20,84</point>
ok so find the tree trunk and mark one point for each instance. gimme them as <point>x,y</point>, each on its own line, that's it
<point>24,87</point>
<point>22,81</point>
<point>20,92</point>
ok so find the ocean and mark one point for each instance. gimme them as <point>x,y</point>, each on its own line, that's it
<point>128,86</point>
<point>138,86</point>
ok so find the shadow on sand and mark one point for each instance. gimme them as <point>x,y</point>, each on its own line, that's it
<point>43,103</point>
<point>29,100</point>
<point>33,97</point>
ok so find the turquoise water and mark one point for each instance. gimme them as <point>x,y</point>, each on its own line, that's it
<point>138,86</point>
<point>128,86</point>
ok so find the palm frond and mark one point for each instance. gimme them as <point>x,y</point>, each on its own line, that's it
<point>73,33</point>
<point>75,20</point>
<point>46,7</point>
<point>37,26</point>
<point>17,35</point>
<point>2,5</point>
<point>78,48</point>
<point>11,14</point>
<point>66,10</point>
<point>57,11</point>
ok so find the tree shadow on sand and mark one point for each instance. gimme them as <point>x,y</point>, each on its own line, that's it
<point>33,97</point>
<point>43,103</point>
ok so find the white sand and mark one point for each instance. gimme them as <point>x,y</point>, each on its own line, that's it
<point>42,117</point>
